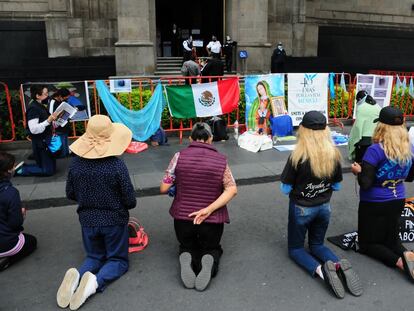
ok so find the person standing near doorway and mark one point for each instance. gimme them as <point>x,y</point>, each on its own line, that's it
<point>228,48</point>
<point>187,49</point>
<point>214,47</point>
<point>278,59</point>
<point>175,41</point>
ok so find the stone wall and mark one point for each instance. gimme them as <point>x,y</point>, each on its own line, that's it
<point>73,27</point>
<point>296,22</point>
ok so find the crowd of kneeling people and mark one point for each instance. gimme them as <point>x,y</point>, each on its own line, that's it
<point>312,172</point>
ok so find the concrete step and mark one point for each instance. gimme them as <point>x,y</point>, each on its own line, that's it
<point>169,58</point>
<point>167,73</point>
<point>168,65</point>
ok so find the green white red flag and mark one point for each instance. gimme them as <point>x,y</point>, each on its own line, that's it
<point>204,99</point>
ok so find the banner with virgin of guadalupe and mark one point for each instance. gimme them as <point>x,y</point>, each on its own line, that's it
<point>265,97</point>
<point>306,92</point>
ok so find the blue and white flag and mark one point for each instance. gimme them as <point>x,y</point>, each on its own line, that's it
<point>342,83</point>
<point>411,88</point>
<point>331,85</point>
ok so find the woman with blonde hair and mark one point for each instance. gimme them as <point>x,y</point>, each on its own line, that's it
<point>386,164</point>
<point>312,172</point>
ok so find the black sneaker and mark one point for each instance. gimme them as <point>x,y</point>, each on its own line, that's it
<point>4,263</point>
<point>332,279</point>
<point>350,278</point>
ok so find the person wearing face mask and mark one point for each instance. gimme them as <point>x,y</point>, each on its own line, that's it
<point>175,41</point>
<point>278,59</point>
<point>14,244</point>
<point>214,47</point>
<point>39,125</point>
<point>228,48</point>
<point>187,49</point>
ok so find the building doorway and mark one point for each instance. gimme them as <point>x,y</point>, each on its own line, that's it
<point>200,19</point>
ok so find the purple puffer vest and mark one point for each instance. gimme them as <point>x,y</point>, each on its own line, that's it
<point>199,181</point>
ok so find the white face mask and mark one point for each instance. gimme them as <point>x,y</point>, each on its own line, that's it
<point>280,47</point>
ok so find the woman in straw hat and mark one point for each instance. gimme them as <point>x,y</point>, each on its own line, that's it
<point>386,164</point>
<point>100,183</point>
<point>204,186</point>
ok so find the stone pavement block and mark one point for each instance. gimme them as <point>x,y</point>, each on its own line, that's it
<point>147,180</point>
<point>25,191</point>
<point>251,170</point>
<point>49,190</point>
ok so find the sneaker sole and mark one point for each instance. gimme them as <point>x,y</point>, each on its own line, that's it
<point>333,279</point>
<point>78,299</point>
<point>187,274</point>
<point>204,277</point>
<point>352,281</point>
<point>67,288</point>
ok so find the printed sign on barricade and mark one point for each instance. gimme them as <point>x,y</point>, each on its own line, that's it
<point>265,95</point>
<point>407,221</point>
<point>79,96</point>
<point>379,87</point>
<point>306,92</point>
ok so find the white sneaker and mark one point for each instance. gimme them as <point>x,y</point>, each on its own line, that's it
<point>67,288</point>
<point>87,288</point>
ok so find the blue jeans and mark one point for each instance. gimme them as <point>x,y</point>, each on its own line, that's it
<point>45,163</point>
<point>314,220</point>
<point>106,253</point>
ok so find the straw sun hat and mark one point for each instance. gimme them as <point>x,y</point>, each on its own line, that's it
<point>102,139</point>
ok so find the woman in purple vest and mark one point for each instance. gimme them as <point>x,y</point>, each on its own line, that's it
<point>204,185</point>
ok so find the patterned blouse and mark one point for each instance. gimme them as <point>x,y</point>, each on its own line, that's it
<point>103,190</point>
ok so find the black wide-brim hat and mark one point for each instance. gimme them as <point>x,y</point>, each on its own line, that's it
<point>391,116</point>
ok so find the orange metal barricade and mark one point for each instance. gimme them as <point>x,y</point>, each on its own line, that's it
<point>340,108</point>
<point>11,136</point>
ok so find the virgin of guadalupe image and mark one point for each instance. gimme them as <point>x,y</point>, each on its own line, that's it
<point>259,112</point>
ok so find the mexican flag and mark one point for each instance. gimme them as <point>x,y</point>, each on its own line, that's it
<point>203,100</point>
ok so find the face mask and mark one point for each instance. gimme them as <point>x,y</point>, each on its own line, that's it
<point>280,48</point>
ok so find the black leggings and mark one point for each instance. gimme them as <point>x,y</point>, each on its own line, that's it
<point>29,246</point>
<point>378,230</point>
<point>200,240</point>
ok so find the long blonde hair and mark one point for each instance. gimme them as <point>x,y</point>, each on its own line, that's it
<point>317,147</point>
<point>395,141</point>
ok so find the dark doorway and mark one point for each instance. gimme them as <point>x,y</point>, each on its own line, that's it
<point>21,40</point>
<point>198,18</point>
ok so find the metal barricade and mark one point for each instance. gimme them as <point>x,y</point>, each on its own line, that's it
<point>7,130</point>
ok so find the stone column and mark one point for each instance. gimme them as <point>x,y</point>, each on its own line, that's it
<point>134,51</point>
<point>56,22</point>
<point>246,22</point>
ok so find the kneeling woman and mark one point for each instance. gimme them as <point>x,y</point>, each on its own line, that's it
<point>312,172</point>
<point>385,166</point>
<point>204,185</point>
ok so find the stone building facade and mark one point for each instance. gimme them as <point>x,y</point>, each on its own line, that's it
<point>127,28</point>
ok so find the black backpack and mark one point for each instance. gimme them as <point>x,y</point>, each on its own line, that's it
<point>219,128</point>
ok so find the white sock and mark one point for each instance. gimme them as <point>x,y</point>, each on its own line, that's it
<point>318,271</point>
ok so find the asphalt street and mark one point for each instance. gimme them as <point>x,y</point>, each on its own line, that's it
<point>255,271</point>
